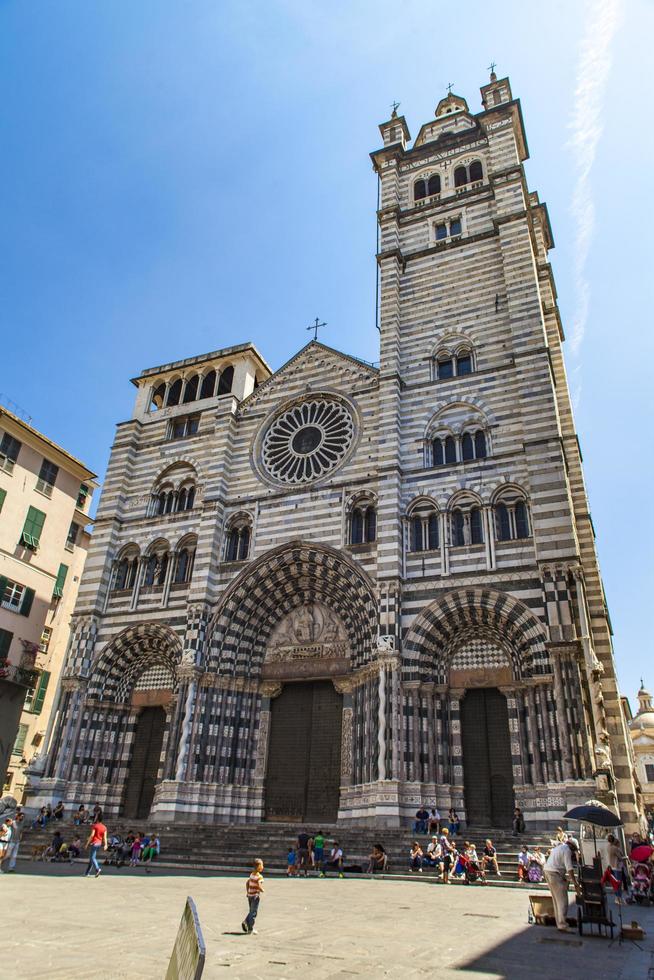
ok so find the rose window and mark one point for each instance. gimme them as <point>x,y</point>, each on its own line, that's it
<point>308,441</point>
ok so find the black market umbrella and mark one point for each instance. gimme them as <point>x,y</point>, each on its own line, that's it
<point>596,814</point>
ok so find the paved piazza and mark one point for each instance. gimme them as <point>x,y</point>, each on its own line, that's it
<point>60,925</point>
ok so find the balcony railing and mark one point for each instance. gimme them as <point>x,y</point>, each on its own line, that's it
<point>24,676</point>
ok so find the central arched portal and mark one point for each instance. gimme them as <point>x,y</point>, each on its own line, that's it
<point>304,755</point>
<point>306,648</point>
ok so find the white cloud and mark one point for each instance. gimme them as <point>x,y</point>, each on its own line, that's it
<point>602,19</point>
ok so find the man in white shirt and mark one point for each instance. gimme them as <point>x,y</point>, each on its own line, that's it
<point>559,870</point>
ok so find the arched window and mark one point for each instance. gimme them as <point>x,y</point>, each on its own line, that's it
<point>191,389</point>
<point>451,365</point>
<point>183,566</point>
<point>502,523</point>
<point>238,539</point>
<point>174,392</point>
<point>475,171</point>
<point>419,190</point>
<point>467,447</point>
<point>126,569</point>
<point>208,386</point>
<point>450,450</point>
<point>371,524</point>
<point>458,527</point>
<point>160,506</point>
<point>468,175</point>
<point>476,534</point>
<point>444,368</point>
<point>190,498</point>
<point>158,396</point>
<point>511,515</point>
<point>120,582</point>
<point>356,526</point>
<point>181,499</point>
<point>464,362</point>
<point>480,445</point>
<point>150,570</point>
<point>521,520</point>
<point>170,502</point>
<point>363,522</point>
<point>424,527</point>
<point>434,185</point>
<point>460,177</point>
<point>466,524</point>
<point>226,381</point>
<point>438,456</point>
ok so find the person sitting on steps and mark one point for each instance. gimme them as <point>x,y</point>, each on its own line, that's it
<point>416,855</point>
<point>378,860</point>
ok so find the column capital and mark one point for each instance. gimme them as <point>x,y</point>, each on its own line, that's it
<point>270,689</point>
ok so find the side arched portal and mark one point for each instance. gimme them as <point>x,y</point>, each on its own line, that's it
<point>127,712</point>
<point>477,666</point>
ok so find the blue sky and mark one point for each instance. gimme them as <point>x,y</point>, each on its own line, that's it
<point>180,175</point>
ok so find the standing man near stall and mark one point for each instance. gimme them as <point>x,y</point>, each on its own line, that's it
<point>559,872</point>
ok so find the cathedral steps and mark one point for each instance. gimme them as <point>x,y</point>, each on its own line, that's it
<point>229,849</point>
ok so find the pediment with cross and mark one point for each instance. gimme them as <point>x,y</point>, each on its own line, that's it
<point>315,366</point>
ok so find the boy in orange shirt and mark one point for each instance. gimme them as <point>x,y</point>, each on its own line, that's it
<point>253,890</point>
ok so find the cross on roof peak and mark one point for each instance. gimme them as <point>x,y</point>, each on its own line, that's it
<point>316,327</point>
<point>450,86</point>
<point>395,106</point>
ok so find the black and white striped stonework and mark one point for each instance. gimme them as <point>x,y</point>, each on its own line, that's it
<point>500,587</point>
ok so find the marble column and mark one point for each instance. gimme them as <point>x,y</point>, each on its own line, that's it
<point>456,744</point>
<point>192,675</point>
<point>381,725</point>
<point>562,719</point>
<point>534,737</point>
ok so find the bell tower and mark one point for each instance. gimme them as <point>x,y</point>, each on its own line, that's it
<point>480,476</point>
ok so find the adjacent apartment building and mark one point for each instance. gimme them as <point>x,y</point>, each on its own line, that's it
<point>45,495</point>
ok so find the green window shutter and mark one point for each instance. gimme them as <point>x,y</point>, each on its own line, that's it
<point>19,744</point>
<point>5,642</point>
<point>3,586</point>
<point>39,694</point>
<point>3,494</point>
<point>33,527</point>
<point>61,579</point>
<point>26,604</point>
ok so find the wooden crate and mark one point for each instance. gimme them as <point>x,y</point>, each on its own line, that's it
<point>542,907</point>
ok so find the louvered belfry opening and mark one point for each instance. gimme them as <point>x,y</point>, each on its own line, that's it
<point>487,769</point>
<point>304,756</point>
<point>144,765</point>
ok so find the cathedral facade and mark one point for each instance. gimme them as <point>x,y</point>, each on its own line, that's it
<point>338,590</point>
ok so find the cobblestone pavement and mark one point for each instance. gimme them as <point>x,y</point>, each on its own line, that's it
<point>58,924</point>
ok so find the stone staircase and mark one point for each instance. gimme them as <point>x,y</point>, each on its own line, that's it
<point>230,849</point>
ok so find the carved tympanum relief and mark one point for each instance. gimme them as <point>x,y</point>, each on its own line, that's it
<point>310,631</point>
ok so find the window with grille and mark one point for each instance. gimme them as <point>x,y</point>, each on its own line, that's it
<point>61,580</point>
<point>73,534</point>
<point>21,735</point>
<point>649,772</point>
<point>36,695</point>
<point>9,449</point>
<point>5,643</point>
<point>449,229</point>
<point>46,636</point>
<point>183,427</point>
<point>32,529</point>
<point>47,477</point>
<point>12,595</point>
